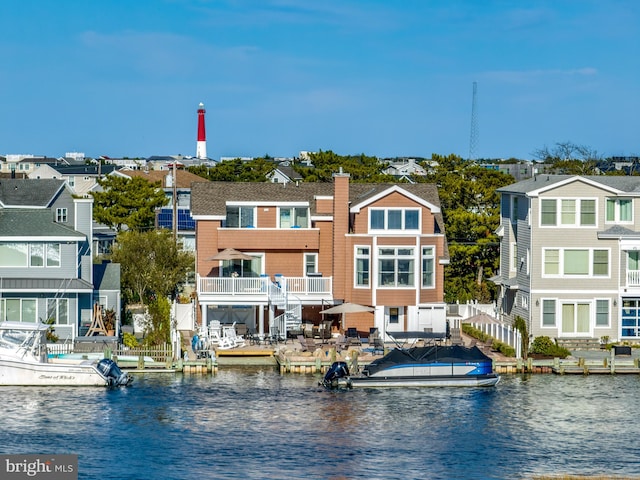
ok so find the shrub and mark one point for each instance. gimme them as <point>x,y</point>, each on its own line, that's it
<point>130,340</point>
<point>543,345</point>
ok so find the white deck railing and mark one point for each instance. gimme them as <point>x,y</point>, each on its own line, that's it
<point>633,278</point>
<point>260,285</point>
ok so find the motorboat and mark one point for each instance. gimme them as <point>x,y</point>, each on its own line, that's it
<point>24,361</point>
<point>431,365</point>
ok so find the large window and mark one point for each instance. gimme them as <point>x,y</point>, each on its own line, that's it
<point>428,266</point>
<point>18,310</point>
<point>396,219</point>
<point>294,217</point>
<point>38,255</point>
<point>576,262</point>
<point>619,210</point>
<point>396,267</point>
<point>240,217</point>
<point>362,259</point>
<point>567,212</point>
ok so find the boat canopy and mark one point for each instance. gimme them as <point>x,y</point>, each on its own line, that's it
<point>427,355</point>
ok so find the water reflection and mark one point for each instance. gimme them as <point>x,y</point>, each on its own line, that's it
<point>255,423</point>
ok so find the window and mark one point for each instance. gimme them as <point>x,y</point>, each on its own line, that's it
<point>578,262</point>
<point>61,215</point>
<point>514,257</point>
<point>240,217</point>
<point>18,310</point>
<point>587,212</point>
<point>602,313</point>
<point>58,310</point>
<point>568,212</point>
<point>394,219</point>
<point>552,262</point>
<point>631,317</point>
<point>294,217</point>
<point>548,313</point>
<point>428,263</point>
<point>362,266</point>
<point>619,210</point>
<point>394,315</point>
<point>514,209</point>
<point>547,212</point>
<point>310,263</point>
<point>71,181</point>
<point>14,254</point>
<point>572,212</point>
<point>395,267</point>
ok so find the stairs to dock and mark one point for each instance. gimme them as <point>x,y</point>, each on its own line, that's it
<point>579,343</point>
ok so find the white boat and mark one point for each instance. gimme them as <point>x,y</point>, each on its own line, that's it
<point>24,361</point>
<point>432,365</point>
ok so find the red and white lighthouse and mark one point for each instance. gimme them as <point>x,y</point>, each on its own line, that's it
<point>201,144</point>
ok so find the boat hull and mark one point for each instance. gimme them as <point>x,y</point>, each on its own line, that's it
<point>488,380</point>
<point>50,374</point>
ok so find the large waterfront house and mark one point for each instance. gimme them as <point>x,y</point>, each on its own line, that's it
<point>570,256</point>
<point>302,248</point>
<point>46,267</point>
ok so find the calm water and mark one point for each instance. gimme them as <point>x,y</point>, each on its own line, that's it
<point>254,423</point>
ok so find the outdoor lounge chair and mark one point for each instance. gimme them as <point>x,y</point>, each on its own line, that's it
<point>230,339</point>
<point>306,344</point>
<point>340,342</point>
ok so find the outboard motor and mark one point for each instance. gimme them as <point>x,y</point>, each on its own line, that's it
<point>337,376</point>
<point>111,371</point>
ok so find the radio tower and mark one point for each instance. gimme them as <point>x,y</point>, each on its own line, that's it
<point>473,140</point>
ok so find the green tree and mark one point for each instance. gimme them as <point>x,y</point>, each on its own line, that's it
<point>471,211</point>
<point>362,168</point>
<point>152,265</point>
<point>130,202</point>
<point>237,170</point>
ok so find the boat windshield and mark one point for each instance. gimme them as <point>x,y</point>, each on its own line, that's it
<point>15,338</point>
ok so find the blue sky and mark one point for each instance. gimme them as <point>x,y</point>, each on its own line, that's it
<point>379,77</point>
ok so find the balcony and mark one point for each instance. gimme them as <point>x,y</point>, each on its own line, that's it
<point>257,288</point>
<point>633,278</point>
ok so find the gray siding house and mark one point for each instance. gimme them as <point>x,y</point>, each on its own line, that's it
<point>46,269</point>
<point>570,256</point>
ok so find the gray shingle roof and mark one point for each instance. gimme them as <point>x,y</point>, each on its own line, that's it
<point>629,184</point>
<point>106,276</point>
<point>29,192</point>
<point>18,222</point>
<point>45,284</point>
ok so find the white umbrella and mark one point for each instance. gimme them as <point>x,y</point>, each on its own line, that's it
<point>231,254</point>
<point>345,308</point>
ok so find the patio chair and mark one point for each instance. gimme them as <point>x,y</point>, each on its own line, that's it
<point>340,342</point>
<point>324,332</point>
<point>353,337</point>
<point>375,342</point>
<point>306,344</point>
<point>230,339</point>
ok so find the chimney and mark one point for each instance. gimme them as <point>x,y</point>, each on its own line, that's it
<point>340,230</point>
<point>201,144</point>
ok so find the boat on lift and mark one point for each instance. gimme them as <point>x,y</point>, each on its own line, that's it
<point>24,361</point>
<point>431,365</point>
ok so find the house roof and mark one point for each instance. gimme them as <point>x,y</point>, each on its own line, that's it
<point>85,169</point>
<point>185,178</point>
<point>210,198</point>
<point>18,222</point>
<point>106,276</point>
<point>542,182</point>
<point>45,285</point>
<point>24,192</point>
